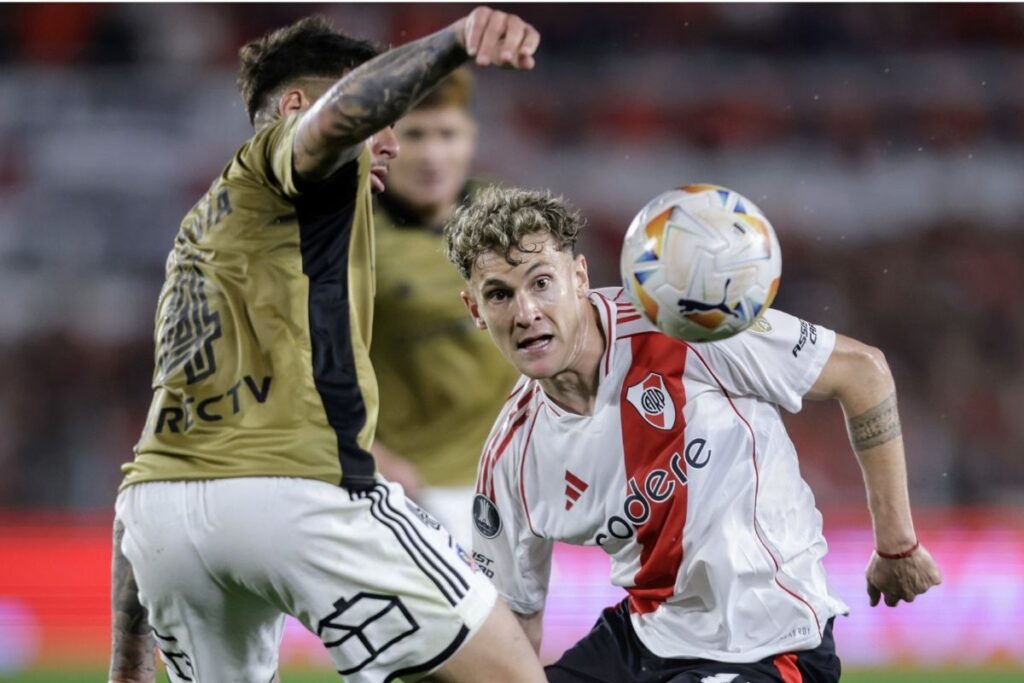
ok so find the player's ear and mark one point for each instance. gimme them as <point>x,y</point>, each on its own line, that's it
<point>474,310</point>
<point>581,276</point>
<point>291,100</point>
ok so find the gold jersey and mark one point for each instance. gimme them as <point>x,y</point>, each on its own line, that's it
<point>442,381</point>
<point>263,328</point>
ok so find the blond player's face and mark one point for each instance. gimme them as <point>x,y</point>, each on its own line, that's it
<point>535,309</point>
<point>437,148</point>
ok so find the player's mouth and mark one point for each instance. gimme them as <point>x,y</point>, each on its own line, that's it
<point>378,178</point>
<point>536,343</point>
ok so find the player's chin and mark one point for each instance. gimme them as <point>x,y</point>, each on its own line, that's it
<point>536,367</point>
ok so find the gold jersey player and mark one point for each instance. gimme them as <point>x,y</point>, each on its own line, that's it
<point>253,494</point>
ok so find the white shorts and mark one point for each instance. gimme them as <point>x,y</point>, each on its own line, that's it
<point>453,507</point>
<point>219,563</point>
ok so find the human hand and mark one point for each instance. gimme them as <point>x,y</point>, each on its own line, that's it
<point>902,579</point>
<point>491,36</point>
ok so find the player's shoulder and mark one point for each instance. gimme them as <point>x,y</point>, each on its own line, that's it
<point>620,312</point>
<point>262,143</point>
<point>522,402</point>
<point>771,319</point>
<point>510,428</point>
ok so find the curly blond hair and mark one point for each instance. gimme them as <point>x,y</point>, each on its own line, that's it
<point>498,218</point>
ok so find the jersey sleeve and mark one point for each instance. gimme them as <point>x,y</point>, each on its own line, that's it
<point>778,359</point>
<point>516,560</point>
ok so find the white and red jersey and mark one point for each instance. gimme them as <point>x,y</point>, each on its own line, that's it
<point>684,474</point>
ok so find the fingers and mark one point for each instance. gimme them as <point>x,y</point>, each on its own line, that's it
<point>531,41</point>
<point>515,29</point>
<point>873,594</point>
<point>492,33</point>
<point>498,38</point>
<point>476,23</point>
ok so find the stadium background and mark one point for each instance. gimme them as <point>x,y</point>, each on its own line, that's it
<point>885,142</point>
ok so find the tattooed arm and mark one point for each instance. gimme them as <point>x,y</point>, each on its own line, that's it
<point>133,648</point>
<point>859,378</point>
<point>378,93</point>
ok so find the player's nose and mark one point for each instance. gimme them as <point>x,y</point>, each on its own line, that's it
<point>526,309</point>
<point>385,144</point>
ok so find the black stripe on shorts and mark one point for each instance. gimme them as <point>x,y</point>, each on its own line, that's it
<point>426,557</point>
<point>437,661</point>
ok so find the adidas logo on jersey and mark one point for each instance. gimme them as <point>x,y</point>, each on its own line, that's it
<point>574,488</point>
<point>653,402</point>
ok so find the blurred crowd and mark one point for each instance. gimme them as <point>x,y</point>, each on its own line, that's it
<point>883,141</point>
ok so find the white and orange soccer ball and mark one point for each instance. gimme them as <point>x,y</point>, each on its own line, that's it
<point>701,262</point>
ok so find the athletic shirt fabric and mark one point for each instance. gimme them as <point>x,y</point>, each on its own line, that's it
<point>442,380</point>
<point>684,474</point>
<point>263,327</point>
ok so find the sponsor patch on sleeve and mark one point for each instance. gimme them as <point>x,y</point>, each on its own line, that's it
<point>485,516</point>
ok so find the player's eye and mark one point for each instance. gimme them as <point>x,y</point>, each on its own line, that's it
<point>496,296</point>
<point>543,282</point>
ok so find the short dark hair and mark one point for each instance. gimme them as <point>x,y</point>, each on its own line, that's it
<point>308,48</point>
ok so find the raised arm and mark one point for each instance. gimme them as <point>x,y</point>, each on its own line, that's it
<point>133,652</point>
<point>858,376</point>
<point>381,91</point>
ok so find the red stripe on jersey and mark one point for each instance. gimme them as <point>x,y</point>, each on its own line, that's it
<point>522,479</point>
<point>500,439</point>
<point>786,664</point>
<point>757,488</point>
<point>628,319</point>
<point>609,334</point>
<point>646,449</point>
<point>502,447</point>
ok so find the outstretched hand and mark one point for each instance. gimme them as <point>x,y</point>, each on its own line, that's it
<point>493,37</point>
<point>902,579</point>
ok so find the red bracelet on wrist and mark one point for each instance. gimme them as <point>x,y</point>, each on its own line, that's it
<point>899,556</point>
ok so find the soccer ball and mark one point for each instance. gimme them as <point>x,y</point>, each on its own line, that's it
<point>701,262</point>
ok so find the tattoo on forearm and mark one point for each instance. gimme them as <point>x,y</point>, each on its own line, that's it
<point>132,650</point>
<point>875,426</point>
<point>378,93</point>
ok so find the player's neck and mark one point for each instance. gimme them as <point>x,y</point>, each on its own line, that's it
<point>575,388</point>
<point>435,217</point>
<point>432,216</point>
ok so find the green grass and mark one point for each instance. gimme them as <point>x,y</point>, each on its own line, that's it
<point>853,676</point>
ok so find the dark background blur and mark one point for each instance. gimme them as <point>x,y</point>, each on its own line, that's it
<point>884,142</point>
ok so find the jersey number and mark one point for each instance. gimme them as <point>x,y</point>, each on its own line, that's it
<point>188,327</point>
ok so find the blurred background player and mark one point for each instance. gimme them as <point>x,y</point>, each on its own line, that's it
<point>441,381</point>
<point>673,459</point>
<point>252,494</point>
